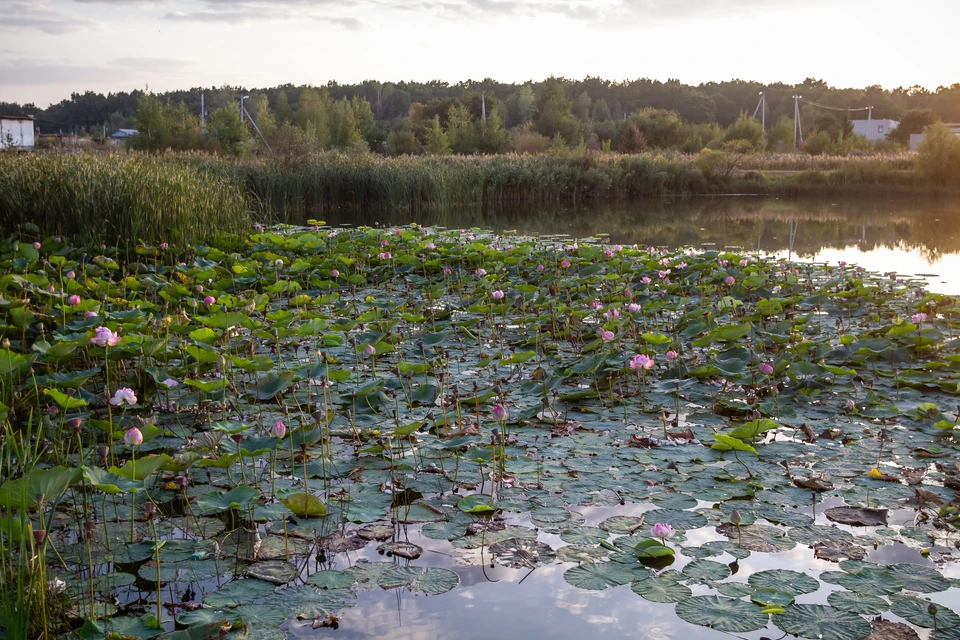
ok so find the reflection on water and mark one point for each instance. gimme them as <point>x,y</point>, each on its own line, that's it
<point>909,236</point>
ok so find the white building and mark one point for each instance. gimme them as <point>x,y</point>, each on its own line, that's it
<point>917,138</point>
<point>16,132</point>
<point>874,130</point>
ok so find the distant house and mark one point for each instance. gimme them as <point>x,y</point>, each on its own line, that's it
<point>123,134</point>
<point>16,132</point>
<point>917,138</point>
<point>874,130</point>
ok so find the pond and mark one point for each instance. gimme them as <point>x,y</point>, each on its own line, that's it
<point>907,236</point>
<point>414,433</point>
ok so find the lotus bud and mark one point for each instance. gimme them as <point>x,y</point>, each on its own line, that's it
<point>735,518</point>
<point>932,609</point>
<point>39,535</point>
<point>102,451</point>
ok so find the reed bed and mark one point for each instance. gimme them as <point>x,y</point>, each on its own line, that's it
<point>119,199</point>
<point>190,196</point>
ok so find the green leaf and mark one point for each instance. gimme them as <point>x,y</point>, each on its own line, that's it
<point>63,400</point>
<point>822,622</point>
<point>476,504</point>
<point>656,589</point>
<point>723,614</point>
<point>305,505</point>
<point>728,443</point>
<point>225,501</point>
<point>22,493</point>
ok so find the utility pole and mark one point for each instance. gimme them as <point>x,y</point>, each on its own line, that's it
<point>242,98</point>
<point>869,113</point>
<point>483,106</point>
<point>203,117</point>
<point>797,133</point>
<point>762,108</point>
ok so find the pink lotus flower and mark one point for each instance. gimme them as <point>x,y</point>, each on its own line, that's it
<point>430,246</point>
<point>105,337</point>
<point>851,405</point>
<point>595,304</point>
<point>744,262</point>
<point>89,314</point>
<point>386,255</point>
<point>565,263</point>
<point>917,318</point>
<point>133,437</point>
<point>170,383</point>
<point>481,272</point>
<point>164,246</point>
<point>641,361</point>
<point>334,273</point>
<point>499,412</point>
<point>608,253</point>
<point>208,300</point>
<point>540,267</point>
<point>73,300</point>
<point>766,368</point>
<point>730,280</point>
<point>71,275</point>
<point>447,271</point>
<point>279,429</point>
<point>497,295</point>
<point>633,307</point>
<point>607,336</point>
<point>671,355</point>
<point>370,350</point>
<point>278,262</point>
<point>199,288</point>
<point>123,396</point>
<point>662,531</point>
<point>611,314</point>
<point>646,280</point>
<point>36,245</point>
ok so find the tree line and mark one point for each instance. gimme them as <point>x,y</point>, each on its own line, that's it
<point>491,117</point>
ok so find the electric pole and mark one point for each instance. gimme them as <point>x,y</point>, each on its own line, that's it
<point>203,118</point>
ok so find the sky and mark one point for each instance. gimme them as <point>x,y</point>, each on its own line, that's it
<point>52,48</point>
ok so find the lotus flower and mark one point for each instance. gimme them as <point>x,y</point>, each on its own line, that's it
<point>765,368</point>
<point>170,383</point>
<point>642,361</point>
<point>209,300</point>
<point>133,437</point>
<point>105,337</point>
<point>671,355</point>
<point>633,307</point>
<point>662,531</point>
<point>917,318</point>
<point>89,314</point>
<point>370,350</point>
<point>334,273</point>
<point>279,429</point>
<point>497,295</point>
<point>447,271</point>
<point>499,412</point>
<point>73,300</point>
<point>123,396</point>
<point>481,272</point>
<point>565,263</point>
<point>607,336</point>
<point>730,280</point>
<point>71,274</point>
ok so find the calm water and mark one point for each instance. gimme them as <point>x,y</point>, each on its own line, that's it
<point>909,236</point>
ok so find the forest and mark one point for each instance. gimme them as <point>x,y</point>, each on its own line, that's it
<point>491,117</point>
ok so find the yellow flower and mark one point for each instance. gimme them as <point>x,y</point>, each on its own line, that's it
<point>874,473</point>
<point>376,432</point>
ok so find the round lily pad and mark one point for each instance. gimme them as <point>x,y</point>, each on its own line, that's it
<point>733,589</point>
<point>624,525</point>
<point>723,614</point>
<point>428,580</point>
<point>914,610</point>
<point>918,577</point>
<point>330,579</point>
<point>239,592</point>
<point>706,571</point>
<point>862,603</point>
<point>520,553</point>
<point>583,535</point>
<point>598,576</point>
<point>765,597</point>
<point>871,581</point>
<point>677,518</point>
<point>309,602</point>
<point>378,532</point>
<point>792,582</point>
<point>443,530</point>
<point>822,622</point>
<point>657,589</point>
<point>757,537</point>
<point>275,571</point>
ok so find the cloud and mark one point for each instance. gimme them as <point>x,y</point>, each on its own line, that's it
<point>34,15</point>
<point>350,24</point>
<point>28,72</point>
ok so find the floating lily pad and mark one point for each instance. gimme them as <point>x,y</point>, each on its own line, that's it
<point>858,516</point>
<point>274,571</point>
<point>723,614</point>
<point>309,602</point>
<point>792,582</point>
<point>583,535</point>
<point>871,581</point>
<point>766,597</point>
<point>427,580</point>
<point>819,621</point>
<point>733,589</point>
<point>757,537</point>
<point>657,589</point>
<point>330,579</point>
<point>706,571</point>
<point>861,603</point>
<point>914,610</point>
<point>623,525</point>
<point>239,592</point>
<point>918,577</point>
<point>599,575</point>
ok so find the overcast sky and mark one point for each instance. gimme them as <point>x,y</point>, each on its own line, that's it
<point>50,48</point>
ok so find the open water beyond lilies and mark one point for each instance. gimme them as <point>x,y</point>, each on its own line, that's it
<point>414,433</point>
